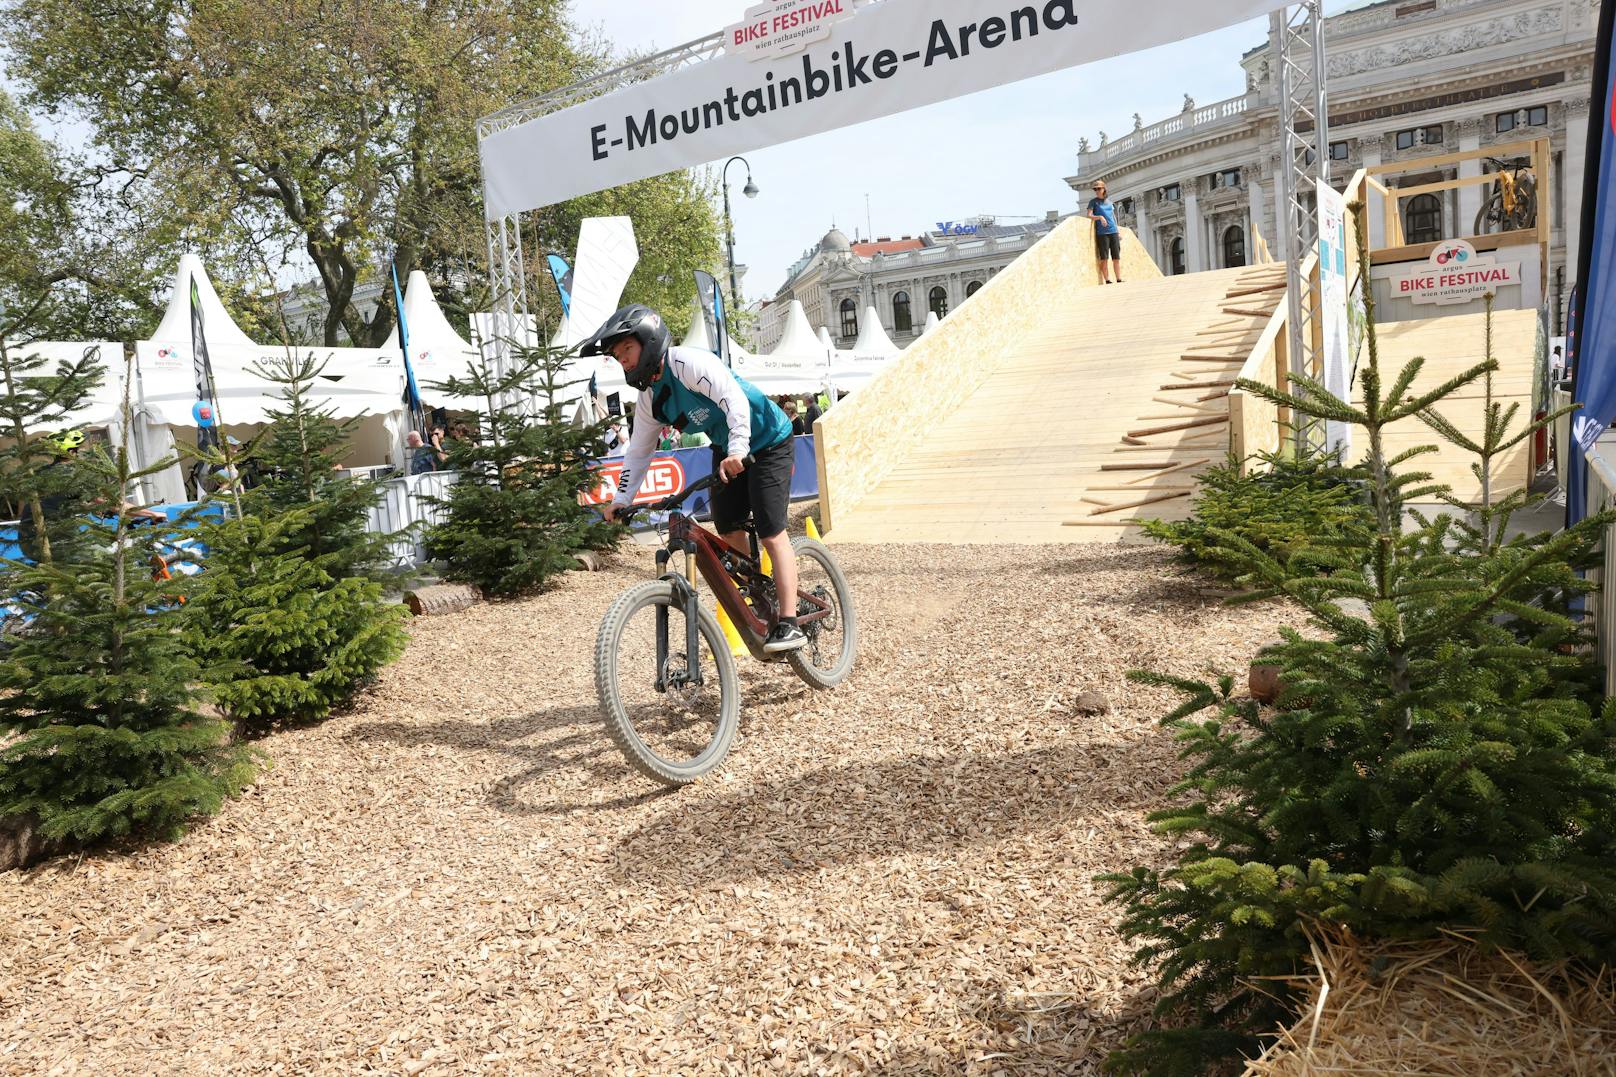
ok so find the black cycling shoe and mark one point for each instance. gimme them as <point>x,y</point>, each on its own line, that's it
<point>784,637</point>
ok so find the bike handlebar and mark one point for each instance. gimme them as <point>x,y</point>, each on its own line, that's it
<point>673,501</point>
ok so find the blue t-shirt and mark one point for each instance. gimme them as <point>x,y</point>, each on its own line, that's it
<point>1104,208</point>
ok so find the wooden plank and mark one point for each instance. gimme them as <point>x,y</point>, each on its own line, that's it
<point>1152,431</point>
<point>1250,312</point>
<point>1101,523</point>
<point>1158,489</point>
<point>1141,466</point>
<point>1169,470</point>
<point>1255,290</point>
<point>1151,500</point>
<point>1197,385</point>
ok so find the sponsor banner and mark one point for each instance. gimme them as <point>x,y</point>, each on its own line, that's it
<point>1333,316</point>
<point>1455,273</point>
<point>671,472</point>
<point>883,59</point>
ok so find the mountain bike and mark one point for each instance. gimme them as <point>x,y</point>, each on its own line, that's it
<point>668,684</point>
<point>1513,201</point>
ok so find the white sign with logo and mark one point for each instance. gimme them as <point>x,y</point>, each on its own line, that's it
<point>848,62</point>
<point>1333,310</point>
<point>782,27</point>
<point>1455,273</point>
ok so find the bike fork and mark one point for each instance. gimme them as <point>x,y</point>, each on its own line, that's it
<point>684,592</point>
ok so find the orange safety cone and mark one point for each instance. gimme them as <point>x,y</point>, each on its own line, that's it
<point>813,532</point>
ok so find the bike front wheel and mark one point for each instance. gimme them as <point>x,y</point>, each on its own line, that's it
<point>832,639</point>
<point>671,728</point>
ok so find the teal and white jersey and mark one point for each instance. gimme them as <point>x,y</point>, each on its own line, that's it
<point>697,393</point>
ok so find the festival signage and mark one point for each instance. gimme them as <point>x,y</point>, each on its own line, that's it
<point>1333,320</point>
<point>837,63</point>
<point>1455,273</point>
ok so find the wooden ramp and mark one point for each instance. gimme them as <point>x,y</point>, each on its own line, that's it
<point>1101,414</point>
<point>1451,346</point>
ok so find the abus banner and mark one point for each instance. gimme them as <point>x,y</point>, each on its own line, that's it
<point>881,59</point>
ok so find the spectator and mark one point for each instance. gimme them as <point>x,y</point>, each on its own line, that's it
<point>615,437</point>
<point>811,416</point>
<point>61,483</point>
<point>1107,237</point>
<point>424,457</point>
<point>790,408</point>
<point>667,439</point>
<point>694,440</point>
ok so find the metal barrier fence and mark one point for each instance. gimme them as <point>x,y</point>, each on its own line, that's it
<point>1601,489</point>
<point>403,511</point>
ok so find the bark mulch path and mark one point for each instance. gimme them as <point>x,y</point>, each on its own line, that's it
<point>462,876</point>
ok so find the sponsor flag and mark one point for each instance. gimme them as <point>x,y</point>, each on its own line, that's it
<point>712,312</point>
<point>562,273</point>
<point>412,392</point>
<point>207,400</point>
<point>1593,347</point>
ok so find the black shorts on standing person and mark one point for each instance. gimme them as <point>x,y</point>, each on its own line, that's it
<point>763,490</point>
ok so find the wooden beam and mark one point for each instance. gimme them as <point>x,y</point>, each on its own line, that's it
<point>1167,470</point>
<point>1142,465</point>
<point>1250,312</point>
<point>1151,500</point>
<point>1151,431</point>
<point>1100,523</point>
<point>1136,489</point>
<point>1196,385</point>
<point>1258,290</point>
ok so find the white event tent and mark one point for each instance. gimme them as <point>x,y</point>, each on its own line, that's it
<point>870,353</point>
<point>799,363</point>
<point>105,401</point>
<point>354,382</point>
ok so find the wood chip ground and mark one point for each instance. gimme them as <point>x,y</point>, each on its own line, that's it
<point>460,875</point>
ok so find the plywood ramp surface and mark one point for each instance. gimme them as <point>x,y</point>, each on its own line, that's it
<point>1072,436</point>
<point>1450,346</point>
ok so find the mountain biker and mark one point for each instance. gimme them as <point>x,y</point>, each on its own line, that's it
<point>690,390</point>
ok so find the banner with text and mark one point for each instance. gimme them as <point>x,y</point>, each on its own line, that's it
<point>793,68</point>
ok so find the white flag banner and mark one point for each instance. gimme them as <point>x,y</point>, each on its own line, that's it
<point>794,68</point>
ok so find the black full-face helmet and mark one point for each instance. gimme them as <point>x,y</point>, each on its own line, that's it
<point>644,325</point>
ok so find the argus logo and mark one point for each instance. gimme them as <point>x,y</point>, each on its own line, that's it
<point>1455,253</point>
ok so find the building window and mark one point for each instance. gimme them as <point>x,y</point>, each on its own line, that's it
<point>1234,247</point>
<point>972,288</point>
<point>1126,205</point>
<point>849,318</point>
<point>1229,177</point>
<point>1504,121</point>
<point>902,322</point>
<point>938,302</point>
<point>1176,255</point>
<point>1171,193</point>
<point>1537,117</point>
<point>1424,219</point>
<point>1338,151</point>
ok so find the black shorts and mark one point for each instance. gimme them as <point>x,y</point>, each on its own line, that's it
<point>1108,246</point>
<point>764,490</point>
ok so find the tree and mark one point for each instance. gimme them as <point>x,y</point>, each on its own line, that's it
<point>513,520</point>
<point>1446,761</point>
<point>343,134</point>
<point>99,709</point>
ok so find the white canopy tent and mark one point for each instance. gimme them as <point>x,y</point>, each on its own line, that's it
<point>799,363</point>
<point>105,401</point>
<point>870,354</point>
<point>354,382</point>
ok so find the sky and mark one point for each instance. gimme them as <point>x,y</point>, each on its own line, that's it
<point>1003,152</point>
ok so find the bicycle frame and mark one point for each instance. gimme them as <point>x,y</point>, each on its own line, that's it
<point>706,553</point>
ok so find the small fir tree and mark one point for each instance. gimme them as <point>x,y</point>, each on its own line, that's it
<point>42,396</point>
<point>514,519</point>
<point>98,701</point>
<point>1445,761</point>
<point>287,619</point>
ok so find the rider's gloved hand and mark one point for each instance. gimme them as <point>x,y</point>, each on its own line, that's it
<point>609,511</point>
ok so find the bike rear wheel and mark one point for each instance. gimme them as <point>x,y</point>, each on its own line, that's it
<point>833,640</point>
<point>683,731</point>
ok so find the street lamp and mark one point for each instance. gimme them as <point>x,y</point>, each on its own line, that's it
<point>750,191</point>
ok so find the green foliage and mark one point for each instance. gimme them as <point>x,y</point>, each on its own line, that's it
<point>1293,510</point>
<point>280,636</point>
<point>289,616</point>
<point>1444,760</point>
<point>513,521</point>
<point>98,700</point>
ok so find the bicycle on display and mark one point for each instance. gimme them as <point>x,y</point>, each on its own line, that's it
<point>668,685</point>
<point>1512,203</point>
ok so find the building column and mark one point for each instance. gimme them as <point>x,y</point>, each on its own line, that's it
<point>1194,236</point>
<point>1255,198</point>
<point>1469,197</point>
<point>1374,203</point>
<point>1142,227</point>
<point>1573,162</point>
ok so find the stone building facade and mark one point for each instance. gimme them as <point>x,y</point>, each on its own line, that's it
<point>1407,79</point>
<point>904,278</point>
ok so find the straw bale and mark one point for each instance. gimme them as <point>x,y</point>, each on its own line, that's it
<point>460,875</point>
<point>1445,1007</point>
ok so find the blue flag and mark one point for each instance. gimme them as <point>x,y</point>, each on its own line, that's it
<point>562,272</point>
<point>712,312</point>
<point>1593,346</point>
<point>412,392</point>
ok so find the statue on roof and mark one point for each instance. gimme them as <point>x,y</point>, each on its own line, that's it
<point>1189,103</point>
<point>1104,138</point>
<point>1083,144</point>
<point>1138,124</point>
